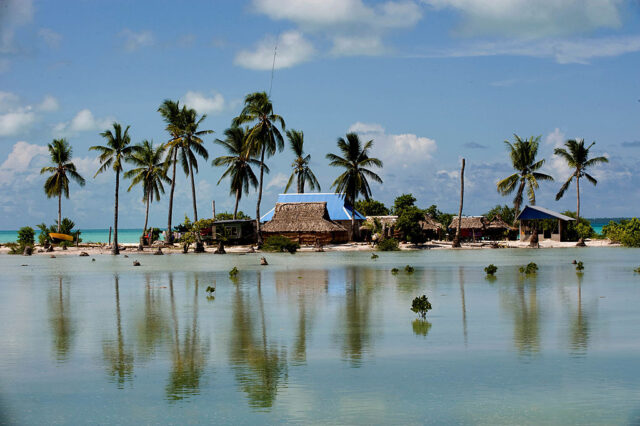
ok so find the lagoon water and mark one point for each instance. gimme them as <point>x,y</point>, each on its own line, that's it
<point>322,338</point>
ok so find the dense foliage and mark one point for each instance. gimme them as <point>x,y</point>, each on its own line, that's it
<point>408,224</point>
<point>26,236</point>
<point>421,306</point>
<point>403,202</point>
<point>371,208</point>
<point>388,244</point>
<point>279,243</point>
<point>531,268</point>
<point>443,218</point>
<point>627,232</point>
<point>508,214</point>
<point>491,269</point>
<point>229,216</point>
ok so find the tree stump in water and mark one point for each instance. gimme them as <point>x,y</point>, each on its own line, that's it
<point>534,242</point>
<point>199,248</point>
<point>263,261</point>
<point>581,243</point>
<point>28,251</point>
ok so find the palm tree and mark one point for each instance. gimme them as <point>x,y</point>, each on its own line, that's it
<point>150,172</point>
<point>578,159</point>
<point>113,155</point>
<point>355,160</point>
<point>170,112</point>
<point>300,165</point>
<point>63,169</point>
<point>264,137</point>
<point>523,158</point>
<point>456,239</point>
<point>238,163</point>
<point>191,145</point>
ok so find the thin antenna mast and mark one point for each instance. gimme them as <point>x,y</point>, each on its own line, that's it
<point>273,67</point>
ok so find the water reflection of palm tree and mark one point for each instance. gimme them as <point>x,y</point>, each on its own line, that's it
<point>118,357</point>
<point>61,323</point>
<point>464,305</point>
<point>153,326</point>
<point>356,331</point>
<point>526,318</point>
<point>579,325</point>
<point>188,356</point>
<point>259,366</point>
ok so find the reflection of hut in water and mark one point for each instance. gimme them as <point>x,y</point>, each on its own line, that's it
<point>471,227</point>
<point>530,221</point>
<point>431,228</point>
<point>305,223</point>
<point>498,229</point>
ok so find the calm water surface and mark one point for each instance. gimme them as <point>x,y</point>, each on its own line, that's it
<point>321,338</point>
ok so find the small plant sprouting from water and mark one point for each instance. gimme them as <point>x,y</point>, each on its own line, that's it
<point>531,268</point>
<point>491,269</point>
<point>579,266</point>
<point>394,271</point>
<point>210,290</point>
<point>233,272</point>
<point>637,270</point>
<point>421,306</point>
<point>374,256</point>
<point>409,269</point>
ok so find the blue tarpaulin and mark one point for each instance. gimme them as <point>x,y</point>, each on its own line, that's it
<point>536,212</point>
<point>336,206</point>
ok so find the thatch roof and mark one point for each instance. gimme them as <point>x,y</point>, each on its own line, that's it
<point>302,217</point>
<point>498,223</point>
<point>384,220</point>
<point>430,224</point>
<point>469,222</point>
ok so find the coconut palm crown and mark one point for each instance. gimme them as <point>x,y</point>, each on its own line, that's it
<point>577,158</point>
<point>301,171</point>
<point>238,163</point>
<point>523,159</point>
<point>150,172</point>
<point>58,183</point>
<point>112,156</point>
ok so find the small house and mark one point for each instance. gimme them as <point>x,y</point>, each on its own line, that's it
<point>530,221</point>
<point>432,229</point>
<point>236,231</point>
<point>471,227</point>
<point>305,223</point>
<point>498,229</point>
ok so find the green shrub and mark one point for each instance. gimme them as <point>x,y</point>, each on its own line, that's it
<point>14,248</point>
<point>637,270</point>
<point>409,269</point>
<point>394,271</point>
<point>374,256</point>
<point>233,272</point>
<point>531,268</point>
<point>627,232</point>
<point>26,236</point>
<point>388,244</point>
<point>280,243</point>
<point>579,266</point>
<point>421,305</point>
<point>491,269</point>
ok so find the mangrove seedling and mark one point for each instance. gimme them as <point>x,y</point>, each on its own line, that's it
<point>421,306</point>
<point>210,290</point>
<point>579,266</point>
<point>491,269</point>
<point>409,269</point>
<point>233,272</point>
<point>374,256</point>
<point>394,271</point>
<point>531,268</point>
<point>637,270</point>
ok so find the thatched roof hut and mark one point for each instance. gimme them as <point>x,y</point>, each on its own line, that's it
<point>430,224</point>
<point>306,223</point>
<point>476,223</point>
<point>500,225</point>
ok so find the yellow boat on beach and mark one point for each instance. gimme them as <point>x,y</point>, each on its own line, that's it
<point>56,236</point>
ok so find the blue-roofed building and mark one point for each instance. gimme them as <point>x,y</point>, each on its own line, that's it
<point>339,210</point>
<point>530,215</point>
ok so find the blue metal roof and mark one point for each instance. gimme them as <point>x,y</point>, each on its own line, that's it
<point>336,206</point>
<point>536,212</point>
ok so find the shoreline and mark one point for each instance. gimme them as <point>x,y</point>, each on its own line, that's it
<point>131,248</point>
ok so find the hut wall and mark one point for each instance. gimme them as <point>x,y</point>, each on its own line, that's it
<point>306,238</point>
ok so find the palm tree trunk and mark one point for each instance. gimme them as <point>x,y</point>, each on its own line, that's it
<point>115,249</point>
<point>169,238</point>
<point>300,184</point>
<point>578,192</point>
<point>146,219</point>
<point>59,210</point>
<point>456,240</point>
<point>193,192</point>
<point>259,235</point>
<point>353,216</point>
<point>235,208</point>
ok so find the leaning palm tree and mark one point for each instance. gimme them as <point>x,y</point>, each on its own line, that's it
<point>301,169</point>
<point>150,172</point>
<point>63,169</point>
<point>578,159</point>
<point>355,160</point>
<point>191,145</point>
<point>264,137</point>
<point>113,155</point>
<point>238,163</point>
<point>171,115</point>
<point>523,158</point>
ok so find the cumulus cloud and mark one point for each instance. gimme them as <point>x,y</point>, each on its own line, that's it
<point>396,149</point>
<point>136,40</point>
<point>20,162</point>
<point>83,121</point>
<point>293,49</point>
<point>16,122</point>
<point>531,19</point>
<point>213,104</point>
<point>50,37</point>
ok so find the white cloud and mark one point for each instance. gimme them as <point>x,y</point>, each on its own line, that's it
<point>293,49</point>
<point>203,104</point>
<point>50,37</point>
<point>83,121</point>
<point>278,182</point>
<point>396,149</point>
<point>136,40</point>
<point>49,104</point>
<point>20,162</point>
<point>13,14</point>
<point>16,122</point>
<point>360,127</point>
<point>357,45</point>
<point>527,19</point>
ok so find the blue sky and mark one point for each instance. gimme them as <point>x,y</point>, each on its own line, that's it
<point>430,81</point>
